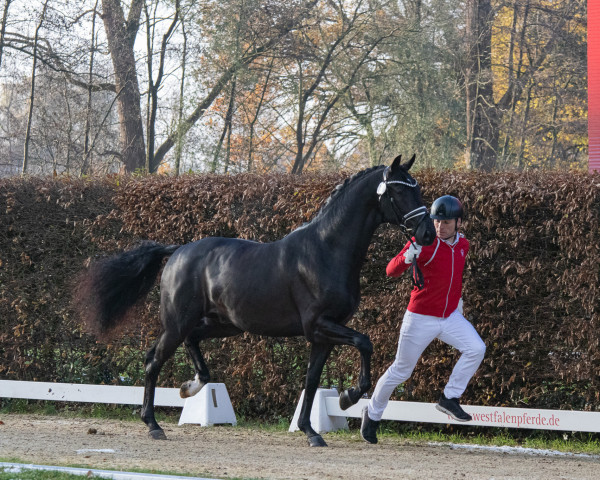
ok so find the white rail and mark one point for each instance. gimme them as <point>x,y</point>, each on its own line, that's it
<point>327,415</point>
<point>75,392</point>
<point>210,406</point>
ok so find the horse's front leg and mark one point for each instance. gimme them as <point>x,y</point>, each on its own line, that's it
<point>318,356</point>
<point>352,395</point>
<point>337,334</point>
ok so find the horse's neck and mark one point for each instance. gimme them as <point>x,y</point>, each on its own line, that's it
<point>348,227</point>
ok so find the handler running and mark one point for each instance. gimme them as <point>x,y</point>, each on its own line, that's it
<point>433,312</point>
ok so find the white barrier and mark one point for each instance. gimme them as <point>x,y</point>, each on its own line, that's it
<point>320,418</point>
<point>208,407</point>
<point>10,467</point>
<point>329,415</point>
<point>75,392</point>
<point>212,406</point>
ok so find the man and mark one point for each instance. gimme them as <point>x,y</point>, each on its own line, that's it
<point>435,311</point>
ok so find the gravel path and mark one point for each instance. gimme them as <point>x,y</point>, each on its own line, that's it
<point>236,452</point>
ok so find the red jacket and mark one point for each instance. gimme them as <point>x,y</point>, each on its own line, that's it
<point>442,266</point>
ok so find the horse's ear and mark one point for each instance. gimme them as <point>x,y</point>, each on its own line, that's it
<point>409,164</point>
<point>396,163</point>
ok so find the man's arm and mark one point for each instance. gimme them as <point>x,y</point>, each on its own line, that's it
<point>397,265</point>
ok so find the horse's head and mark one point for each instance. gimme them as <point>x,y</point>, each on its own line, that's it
<point>401,202</point>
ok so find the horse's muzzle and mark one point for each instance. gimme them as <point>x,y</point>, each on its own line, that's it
<point>425,234</point>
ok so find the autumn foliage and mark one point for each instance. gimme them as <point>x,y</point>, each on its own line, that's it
<point>531,283</point>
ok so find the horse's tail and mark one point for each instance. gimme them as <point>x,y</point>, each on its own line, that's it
<point>110,287</point>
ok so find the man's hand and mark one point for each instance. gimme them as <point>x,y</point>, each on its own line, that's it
<point>413,252</point>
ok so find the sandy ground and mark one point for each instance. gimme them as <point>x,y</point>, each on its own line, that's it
<point>235,452</point>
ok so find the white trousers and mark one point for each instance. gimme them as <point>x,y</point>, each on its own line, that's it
<point>417,332</point>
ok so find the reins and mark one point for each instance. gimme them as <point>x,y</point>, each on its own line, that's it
<point>416,275</point>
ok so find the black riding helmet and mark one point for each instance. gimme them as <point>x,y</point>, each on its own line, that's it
<point>446,208</point>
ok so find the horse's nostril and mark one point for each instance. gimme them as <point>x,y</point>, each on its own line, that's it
<point>428,237</point>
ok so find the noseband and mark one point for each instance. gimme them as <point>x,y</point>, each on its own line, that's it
<point>415,217</point>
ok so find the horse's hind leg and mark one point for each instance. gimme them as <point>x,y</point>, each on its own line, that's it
<point>208,329</point>
<point>155,359</point>
<point>192,387</point>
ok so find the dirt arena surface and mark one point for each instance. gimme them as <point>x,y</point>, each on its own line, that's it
<point>235,452</point>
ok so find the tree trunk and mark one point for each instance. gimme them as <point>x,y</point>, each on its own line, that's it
<point>85,166</point>
<point>69,132</point>
<point>299,159</point>
<point>524,122</point>
<point>256,114</point>
<point>154,86</point>
<point>482,115</point>
<point>121,37</point>
<point>3,27</point>
<point>504,154</point>
<point>179,143</point>
<point>226,128</point>
<point>32,92</point>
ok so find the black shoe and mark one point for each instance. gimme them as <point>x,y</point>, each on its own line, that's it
<point>452,408</point>
<point>368,427</point>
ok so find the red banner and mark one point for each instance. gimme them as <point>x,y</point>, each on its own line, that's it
<point>593,32</point>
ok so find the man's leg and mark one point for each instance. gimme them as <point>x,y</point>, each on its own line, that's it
<point>458,332</point>
<point>416,333</point>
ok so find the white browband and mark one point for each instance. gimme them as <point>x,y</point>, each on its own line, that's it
<point>382,187</point>
<point>413,184</point>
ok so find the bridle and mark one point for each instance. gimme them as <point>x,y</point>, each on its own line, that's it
<point>415,217</point>
<point>418,213</point>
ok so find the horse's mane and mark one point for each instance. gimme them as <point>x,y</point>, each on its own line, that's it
<point>342,186</point>
<point>340,189</point>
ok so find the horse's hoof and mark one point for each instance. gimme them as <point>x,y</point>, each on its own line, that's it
<point>185,389</point>
<point>190,388</point>
<point>347,398</point>
<point>157,434</point>
<point>316,441</point>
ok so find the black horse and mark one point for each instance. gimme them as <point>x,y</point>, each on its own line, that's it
<point>304,284</point>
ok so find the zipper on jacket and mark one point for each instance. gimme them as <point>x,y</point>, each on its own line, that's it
<point>451,279</point>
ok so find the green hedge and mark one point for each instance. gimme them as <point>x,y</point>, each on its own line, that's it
<point>531,283</point>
